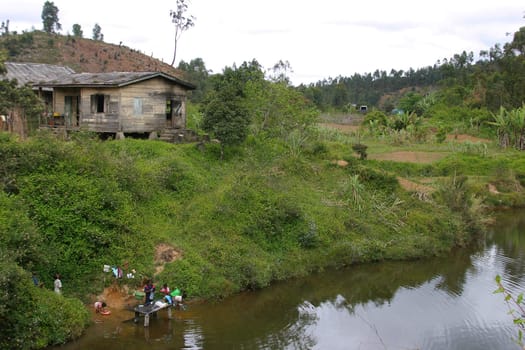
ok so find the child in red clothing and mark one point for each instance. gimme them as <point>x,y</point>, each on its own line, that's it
<point>166,291</point>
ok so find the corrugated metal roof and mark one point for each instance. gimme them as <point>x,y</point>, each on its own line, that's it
<point>48,75</point>
<point>109,79</point>
<point>34,73</point>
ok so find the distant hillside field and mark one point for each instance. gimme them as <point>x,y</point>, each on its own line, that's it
<point>80,54</point>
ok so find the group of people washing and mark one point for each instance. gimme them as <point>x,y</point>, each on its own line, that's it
<point>169,296</point>
<point>172,297</point>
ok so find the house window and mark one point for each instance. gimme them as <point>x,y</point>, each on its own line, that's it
<point>137,106</point>
<point>98,103</point>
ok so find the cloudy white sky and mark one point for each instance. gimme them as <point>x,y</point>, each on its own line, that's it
<point>320,39</point>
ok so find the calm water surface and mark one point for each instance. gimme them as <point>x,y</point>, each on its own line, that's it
<point>445,303</point>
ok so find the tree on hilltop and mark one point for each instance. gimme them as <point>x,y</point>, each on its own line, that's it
<point>97,33</point>
<point>4,28</point>
<point>50,18</point>
<point>77,30</point>
<point>182,23</point>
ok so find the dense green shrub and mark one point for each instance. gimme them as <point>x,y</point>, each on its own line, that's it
<point>376,179</point>
<point>32,317</point>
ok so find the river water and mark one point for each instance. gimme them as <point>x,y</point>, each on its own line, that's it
<point>439,303</point>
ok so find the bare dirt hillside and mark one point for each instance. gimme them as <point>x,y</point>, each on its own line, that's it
<point>82,55</point>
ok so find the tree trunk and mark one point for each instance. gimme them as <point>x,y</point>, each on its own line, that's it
<point>175,45</point>
<point>18,122</point>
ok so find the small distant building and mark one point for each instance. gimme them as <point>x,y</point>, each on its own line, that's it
<point>363,108</point>
<point>397,111</point>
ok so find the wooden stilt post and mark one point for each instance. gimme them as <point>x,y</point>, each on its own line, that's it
<point>146,320</point>
<point>169,312</point>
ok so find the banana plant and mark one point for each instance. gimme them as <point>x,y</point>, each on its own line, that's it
<point>517,123</point>
<point>502,122</point>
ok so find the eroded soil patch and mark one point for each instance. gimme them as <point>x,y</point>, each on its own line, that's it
<point>165,253</point>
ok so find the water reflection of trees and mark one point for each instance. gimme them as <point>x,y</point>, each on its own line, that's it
<point>508,234</point>
<point>344,289</point>
<point>378,283</point>
<point>284,315</point>
<point>295,335</point>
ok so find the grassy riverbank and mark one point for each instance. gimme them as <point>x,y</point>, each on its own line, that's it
<point>268,211</point>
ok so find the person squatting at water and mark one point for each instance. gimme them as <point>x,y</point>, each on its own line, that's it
<point>100,306</point>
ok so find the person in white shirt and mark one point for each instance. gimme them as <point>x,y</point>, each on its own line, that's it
<point>58,284</point>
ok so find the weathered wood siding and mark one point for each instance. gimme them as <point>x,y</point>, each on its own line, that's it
<point>100,122</point>
<point>120,110</point>
<point>153,95</point>
<point>59,98</point>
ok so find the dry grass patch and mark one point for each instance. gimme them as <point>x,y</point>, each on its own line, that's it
<point>412,186</point>
<point>342,163</point>
<point>409,157</point>
<point>465,138</point>
<point>345,128</point>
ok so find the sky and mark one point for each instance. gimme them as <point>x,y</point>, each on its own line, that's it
<point>320,39</point>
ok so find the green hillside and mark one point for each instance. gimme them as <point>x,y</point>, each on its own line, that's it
<point>180,215</point>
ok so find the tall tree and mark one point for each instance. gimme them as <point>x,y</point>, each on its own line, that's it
<point>3,58</point>
<point>278,109</point>
<point>225,111</point>
<point>4,28</point>
<point>226,117</point>
<point>50,18</point>
<point>97,33</point>
<point>21,104</point>
<point>513,68</point>
<point>198,74</point>
<point>182,23</point>
<point>77,30</point>
<point>279,72</point>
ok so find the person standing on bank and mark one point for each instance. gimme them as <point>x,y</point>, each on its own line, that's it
<point>149,292</point>
<point>34,277</point>
<point>58,284</point>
